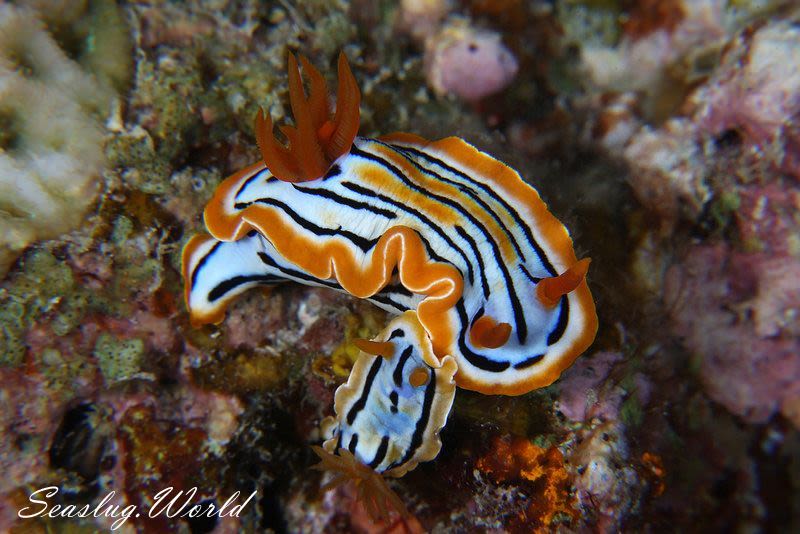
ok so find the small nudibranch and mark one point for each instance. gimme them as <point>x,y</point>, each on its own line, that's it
<point>390,411</point>
<point>439,228</point>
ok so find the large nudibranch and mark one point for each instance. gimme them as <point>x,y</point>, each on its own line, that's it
<point>483,276</point>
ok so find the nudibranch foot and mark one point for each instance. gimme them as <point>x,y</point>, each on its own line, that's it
<point>390,412</point>
<point>317,139</point>
<point>371,488</point>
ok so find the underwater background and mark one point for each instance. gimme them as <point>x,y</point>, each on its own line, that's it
<point>665,134</point>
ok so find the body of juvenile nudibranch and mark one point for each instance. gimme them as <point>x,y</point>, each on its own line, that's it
<point>394,404</point>
<point>435,230</point>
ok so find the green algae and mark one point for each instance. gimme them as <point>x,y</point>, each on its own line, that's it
<point>723,209</point>
<point>45,290</point>
<point>169,96</point>
<point>43,282</point>
<point>333,32</point>
<point>44,285</point>
<point>62,371</point>
<point>119,359</point>
<point>122,230</point>
<point>134,151</point>
<point>12,344</point>
<point>590,22</point>
<point>631,412</point>
<point>70,313</point>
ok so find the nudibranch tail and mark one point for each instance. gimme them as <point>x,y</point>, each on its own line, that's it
<point>550,290</point>
<point>390,412</point>
<point>317,140</point>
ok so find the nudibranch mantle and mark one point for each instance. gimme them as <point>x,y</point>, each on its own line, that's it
<point>438,227</point>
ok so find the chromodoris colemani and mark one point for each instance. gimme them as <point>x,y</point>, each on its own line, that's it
<point>483,278</point>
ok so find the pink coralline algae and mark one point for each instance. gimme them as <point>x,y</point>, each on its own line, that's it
<point>594,389</point>
<point>468,63</point>
<point>34,419</point>
<point>606,484</point>
<point>591,394</point>
<point>756,92</point>
<point>421,18</point>
<point>768,218</point>
<point>738,314</point>
<point>581,397</point>
<point>668,171</point>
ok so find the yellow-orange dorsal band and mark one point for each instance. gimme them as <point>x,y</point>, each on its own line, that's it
<point>550,290</point>
<point>383,349</point>
<point>487,333</point>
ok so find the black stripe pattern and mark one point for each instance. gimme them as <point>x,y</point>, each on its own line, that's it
<point>461,219</point>
<point>398,434</point>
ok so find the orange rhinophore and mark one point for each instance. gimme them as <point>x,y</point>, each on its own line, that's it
<point>550,290</point>
<point>486,332</point>
<point>317,139</point>
<point>376,348</point>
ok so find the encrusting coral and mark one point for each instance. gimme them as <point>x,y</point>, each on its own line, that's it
<point>549,499</point>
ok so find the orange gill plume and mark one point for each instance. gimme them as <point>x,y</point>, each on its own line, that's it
<point>550,290</point>
<point>371,489</point>
<point>317,139</point>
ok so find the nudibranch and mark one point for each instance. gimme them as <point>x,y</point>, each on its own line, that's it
<point>483,277</point>
<point>395,402</point>
<point>439,227</point>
